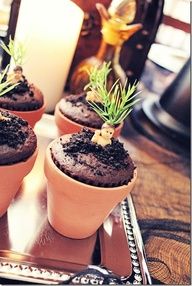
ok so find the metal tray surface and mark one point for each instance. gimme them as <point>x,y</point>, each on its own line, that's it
<point>32,251</point>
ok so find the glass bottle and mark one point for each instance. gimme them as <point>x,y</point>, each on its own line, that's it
<point>114,32</point>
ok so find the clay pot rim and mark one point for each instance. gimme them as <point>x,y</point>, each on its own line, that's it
<point>74,181</point>
<point>78,124</point>
<point>19,164</point>
<point>26,111</point>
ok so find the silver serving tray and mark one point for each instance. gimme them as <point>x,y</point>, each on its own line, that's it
<point>31,251</point>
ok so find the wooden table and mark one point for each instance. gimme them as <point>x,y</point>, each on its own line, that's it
<point>162,202</point>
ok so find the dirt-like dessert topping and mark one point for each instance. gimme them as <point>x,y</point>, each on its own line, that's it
<point>79,100</point>
<point>20,89</point>
<point>11,132</point>
<point>113,155</point>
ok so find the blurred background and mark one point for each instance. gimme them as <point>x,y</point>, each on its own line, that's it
<point>171,48</point>
<point>166,56</point>
<point>158,55</point>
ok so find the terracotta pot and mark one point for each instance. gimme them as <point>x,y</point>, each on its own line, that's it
<point>75,209</point>
<point>32,117</point>
<point>67,126</point>
<point>11,179</point>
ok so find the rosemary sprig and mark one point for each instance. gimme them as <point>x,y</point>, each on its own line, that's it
<point>118,102</point>
<point>16,50</point>
<point>6,85</point>
<point>98,79</point>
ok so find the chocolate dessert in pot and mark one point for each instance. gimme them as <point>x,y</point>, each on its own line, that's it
<point>24,97</point>
<point>76,108</point>
<point>78,157</point>
<point>17,139</point>
<point>96,159</point>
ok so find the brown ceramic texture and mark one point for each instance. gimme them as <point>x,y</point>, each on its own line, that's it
<point>11,179</point>
<point>67,126</point>
<point>75,209</point>
<point>32,117</point>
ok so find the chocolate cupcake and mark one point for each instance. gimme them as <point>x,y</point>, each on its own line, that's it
<point>73,113</point>
<point>18,152</point>
<point>17,139</point>
<point>76,108</point>
<point>88,172</point>
<point>80,158</point>
<point>24,97</point>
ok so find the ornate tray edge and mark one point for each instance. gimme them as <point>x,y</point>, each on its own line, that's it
<point>139,242</point>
